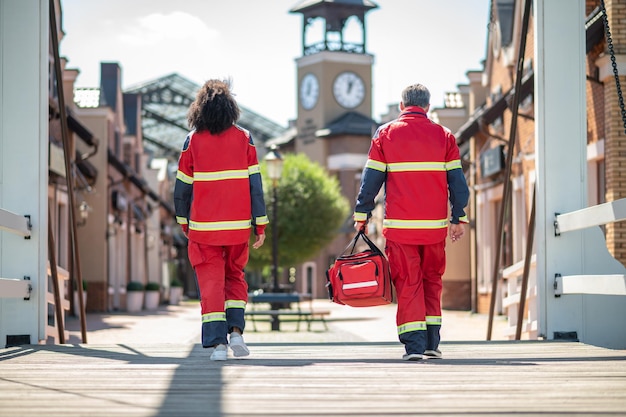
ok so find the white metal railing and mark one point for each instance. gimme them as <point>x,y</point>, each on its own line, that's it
<point>511,294</point>
<point>15,223</point>
<point>600,214</point>
<point>610,284</point>
<point>52,330</point>
<point>20,225</point>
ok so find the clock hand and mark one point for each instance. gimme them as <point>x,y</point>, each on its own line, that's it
<point>350,86</point>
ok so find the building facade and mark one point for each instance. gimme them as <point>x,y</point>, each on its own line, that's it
<point>486,136</point>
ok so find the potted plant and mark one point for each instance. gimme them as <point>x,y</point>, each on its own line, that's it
<point>176,291</point>
<point>76,305</point>
<point>134,296</point>
<point>153,291</point>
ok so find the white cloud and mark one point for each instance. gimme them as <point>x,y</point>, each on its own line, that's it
<point>158,28</point>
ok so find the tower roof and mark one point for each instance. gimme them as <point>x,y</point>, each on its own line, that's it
<point>336,14</point>
<point>333,11</point>
<point>350,123</point>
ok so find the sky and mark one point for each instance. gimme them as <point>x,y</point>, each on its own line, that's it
<point>255,43</point>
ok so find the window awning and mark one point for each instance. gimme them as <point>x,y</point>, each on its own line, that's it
<point>487,115</point>
<point>77,127</point>
<point>594,30</point>
<point>139,182</point>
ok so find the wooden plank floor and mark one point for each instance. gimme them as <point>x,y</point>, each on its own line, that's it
<point>313,379</point>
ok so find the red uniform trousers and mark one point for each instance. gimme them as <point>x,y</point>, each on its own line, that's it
<point>416,272</point>
<point>223,288</point>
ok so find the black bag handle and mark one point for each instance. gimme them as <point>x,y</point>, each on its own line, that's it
<point>361,234</point>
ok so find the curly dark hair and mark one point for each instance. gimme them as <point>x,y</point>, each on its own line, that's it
<point>215,109</point>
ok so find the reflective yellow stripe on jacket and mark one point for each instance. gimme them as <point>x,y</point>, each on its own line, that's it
<point>232,174</point>
<point>213,226</point>
<point>413,166</point>
<point>378,166</point>
<point>180,175</point>
<point>455,164</point>
<point>416,166</point>
<point>360,217</point>
<point>415,224</point>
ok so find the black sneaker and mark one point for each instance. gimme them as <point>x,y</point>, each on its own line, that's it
<point>433,354</point>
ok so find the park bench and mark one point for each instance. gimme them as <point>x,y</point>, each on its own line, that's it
<point>283,304</point>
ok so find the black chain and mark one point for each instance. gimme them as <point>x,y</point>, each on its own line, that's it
<point>609,42</point>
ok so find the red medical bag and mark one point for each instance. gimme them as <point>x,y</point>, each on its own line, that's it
<point>360,279</point>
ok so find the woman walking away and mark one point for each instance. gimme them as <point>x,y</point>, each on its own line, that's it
<point>218,197</point>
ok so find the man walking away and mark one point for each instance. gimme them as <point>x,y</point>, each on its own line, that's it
<point>418,161</point>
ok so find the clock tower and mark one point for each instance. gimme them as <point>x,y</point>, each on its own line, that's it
<point>334,74</point>
<point>334,122</point>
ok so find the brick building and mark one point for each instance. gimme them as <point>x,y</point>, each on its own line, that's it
<point>485,137</point>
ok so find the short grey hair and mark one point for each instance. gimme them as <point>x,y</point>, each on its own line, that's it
<point>416,95</point>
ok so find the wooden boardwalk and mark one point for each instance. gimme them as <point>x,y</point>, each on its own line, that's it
<point>313,379</point>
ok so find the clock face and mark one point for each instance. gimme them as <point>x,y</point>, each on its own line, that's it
<point>349,89</point>
<point>309,91</point>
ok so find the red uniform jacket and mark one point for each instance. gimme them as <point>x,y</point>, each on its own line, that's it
<point>218,191</point>
<point>419,163</point>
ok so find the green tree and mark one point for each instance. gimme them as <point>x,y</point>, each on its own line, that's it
<point>311,209</point>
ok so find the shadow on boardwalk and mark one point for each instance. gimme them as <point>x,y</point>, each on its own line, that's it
<point>312,379</point>
<point>181,324</point>
<point>150,364</point>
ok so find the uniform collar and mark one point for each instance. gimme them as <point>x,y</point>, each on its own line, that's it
<point>413,110</point>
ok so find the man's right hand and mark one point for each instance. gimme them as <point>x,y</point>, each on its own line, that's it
<point>360,226</point>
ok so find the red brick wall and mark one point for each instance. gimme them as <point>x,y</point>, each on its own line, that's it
<point>615,139</point>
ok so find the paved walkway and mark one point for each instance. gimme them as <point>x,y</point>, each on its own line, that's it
<point>152,365</point>
<point>181,324</point>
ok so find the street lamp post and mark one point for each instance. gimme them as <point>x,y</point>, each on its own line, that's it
<point>274,162</point>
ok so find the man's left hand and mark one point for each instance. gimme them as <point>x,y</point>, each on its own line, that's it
<point>456,231</point>
<point>259,239</point>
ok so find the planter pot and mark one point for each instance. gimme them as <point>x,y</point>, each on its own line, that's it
<point>134,301</point>
<point>76,305</point>
<point>152,300</point>
<point>176,295</point>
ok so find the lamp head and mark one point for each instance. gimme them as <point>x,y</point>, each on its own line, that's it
<point>274,161</point>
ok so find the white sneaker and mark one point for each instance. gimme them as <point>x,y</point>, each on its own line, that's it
<point>220,353</point>
<point>238,346</point>
<point>433,354</point>
<point>412,357</point>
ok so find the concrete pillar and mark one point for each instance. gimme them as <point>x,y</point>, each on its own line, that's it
<point>561,133</point>
<point>24,44</point>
